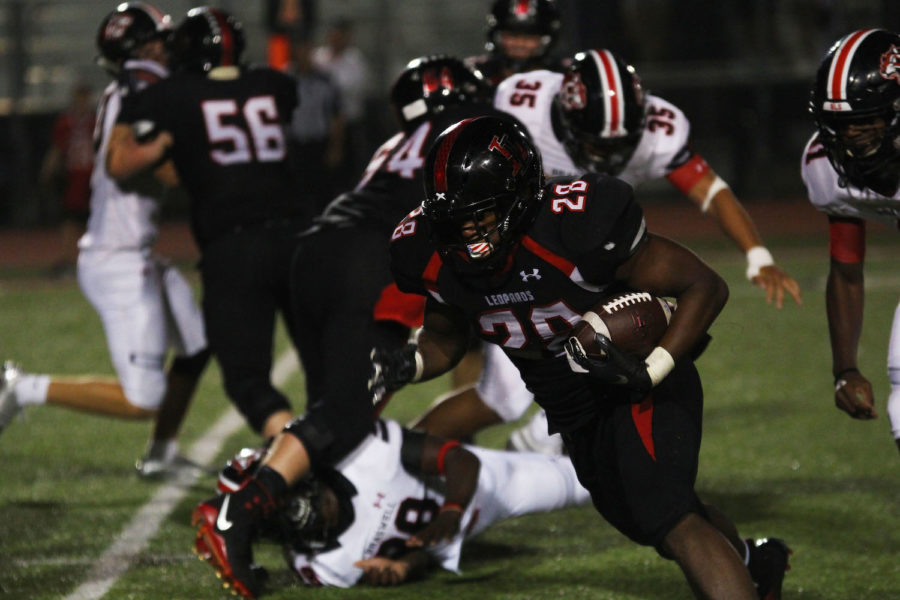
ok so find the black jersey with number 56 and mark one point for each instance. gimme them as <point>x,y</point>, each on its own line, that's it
<point>229,144</point>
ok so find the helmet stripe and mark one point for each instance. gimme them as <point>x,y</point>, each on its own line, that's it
<point>611,86</point>
<point>840,64</point>
<point>227,39</point>
<point>443,153</point>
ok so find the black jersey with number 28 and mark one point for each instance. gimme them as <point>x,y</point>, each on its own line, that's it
<point>565,263</point>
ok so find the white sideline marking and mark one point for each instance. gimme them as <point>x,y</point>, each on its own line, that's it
<point>143,526</point>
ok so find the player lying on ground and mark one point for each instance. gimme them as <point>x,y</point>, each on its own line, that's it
<point>401,502</point>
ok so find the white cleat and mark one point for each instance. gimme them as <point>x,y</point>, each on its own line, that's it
<point>162,460</point>
<point>9,406</point>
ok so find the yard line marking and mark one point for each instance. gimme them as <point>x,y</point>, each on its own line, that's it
<point>144,525</point>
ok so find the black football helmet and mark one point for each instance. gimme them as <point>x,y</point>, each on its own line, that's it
<point>535,17</point>
<point>123,31</point>
<point>302,521</point>
<point>599,111</point>
<point>856,105</point>
<point>207,38</point>
<point>477,167</point>
<point>429,84</point>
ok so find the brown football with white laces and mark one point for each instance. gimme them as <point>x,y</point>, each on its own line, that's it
<point>633,321</point>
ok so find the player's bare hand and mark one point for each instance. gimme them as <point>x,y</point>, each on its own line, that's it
<point>444,527</point>
<point>853,395</point>
<point>776,283</point>
<point>383,571</point>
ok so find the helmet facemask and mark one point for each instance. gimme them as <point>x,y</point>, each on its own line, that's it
<point>594,153</point>
<point>477,237</point>
<point>864,149</point>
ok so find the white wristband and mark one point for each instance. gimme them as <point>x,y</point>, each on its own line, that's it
<point>715,187</point>
<point>757,258</point>
<point>659,364</point>
<point>420,367</point>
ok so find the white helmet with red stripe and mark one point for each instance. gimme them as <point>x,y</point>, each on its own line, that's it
<point>599,111</point>
<point>207,38</point>
<point>856,105</point>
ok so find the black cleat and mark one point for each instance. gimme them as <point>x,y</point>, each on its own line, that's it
<point>224,539</point>
<point>768,564</point>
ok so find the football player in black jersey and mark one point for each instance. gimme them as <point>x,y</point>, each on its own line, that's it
<point>497,250</point>
<point>217,127</point>
<point>520,35</point>
<point>345,303</point>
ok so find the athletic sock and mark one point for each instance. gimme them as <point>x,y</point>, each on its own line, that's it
<point>32,389</point>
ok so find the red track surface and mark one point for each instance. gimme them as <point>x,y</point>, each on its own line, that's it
<point>21,248</point>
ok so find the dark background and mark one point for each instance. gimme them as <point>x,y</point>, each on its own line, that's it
<point>740,70</point>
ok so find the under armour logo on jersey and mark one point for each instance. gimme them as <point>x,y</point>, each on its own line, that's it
<point>534,274</point>
<point>609,245</point>
<point>441,196</point>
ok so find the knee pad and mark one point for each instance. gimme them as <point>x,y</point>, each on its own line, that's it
<point>191,366</point>
<point>145,390</point>
<point>328,443</point>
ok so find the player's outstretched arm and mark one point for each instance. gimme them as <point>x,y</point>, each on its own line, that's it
<point>425,454</point>
<point>844,299</point>
<point>714,197</point>
<point>379,570</point>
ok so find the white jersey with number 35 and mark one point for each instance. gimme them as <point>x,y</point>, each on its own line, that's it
<point>529,97</point>
<point>822,185</point>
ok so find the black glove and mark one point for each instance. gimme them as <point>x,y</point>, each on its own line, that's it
<point>391,370</point>
<point>618,368</point>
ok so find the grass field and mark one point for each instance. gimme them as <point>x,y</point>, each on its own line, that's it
<point>777,457</point>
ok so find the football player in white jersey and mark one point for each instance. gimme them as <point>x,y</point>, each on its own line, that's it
<point>596,117</point>
<point>145,305</point>
<point>851,168</point>
<point>403,500</point>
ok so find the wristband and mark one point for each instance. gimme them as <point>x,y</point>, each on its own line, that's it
<point>452,506</point>
<point>715,187</point>
<point>659,364</point>
<point>420,366</point>
<point>442,453</point>
<point>757,258</point>
<point>840,374</point>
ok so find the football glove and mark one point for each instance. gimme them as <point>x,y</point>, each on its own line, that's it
<point>618,368</point>
<point>391,370</point>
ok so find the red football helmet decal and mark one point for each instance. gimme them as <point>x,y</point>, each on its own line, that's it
<point>117,26</point>
<point>890,64</point>
<point>573,94</point>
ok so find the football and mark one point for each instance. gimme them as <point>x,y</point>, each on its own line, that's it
<point>633,321</point>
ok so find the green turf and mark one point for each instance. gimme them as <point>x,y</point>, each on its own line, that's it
<point>777,457</point>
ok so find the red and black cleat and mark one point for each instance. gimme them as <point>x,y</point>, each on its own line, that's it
<point>768,564</point>
<point>224,536</point>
